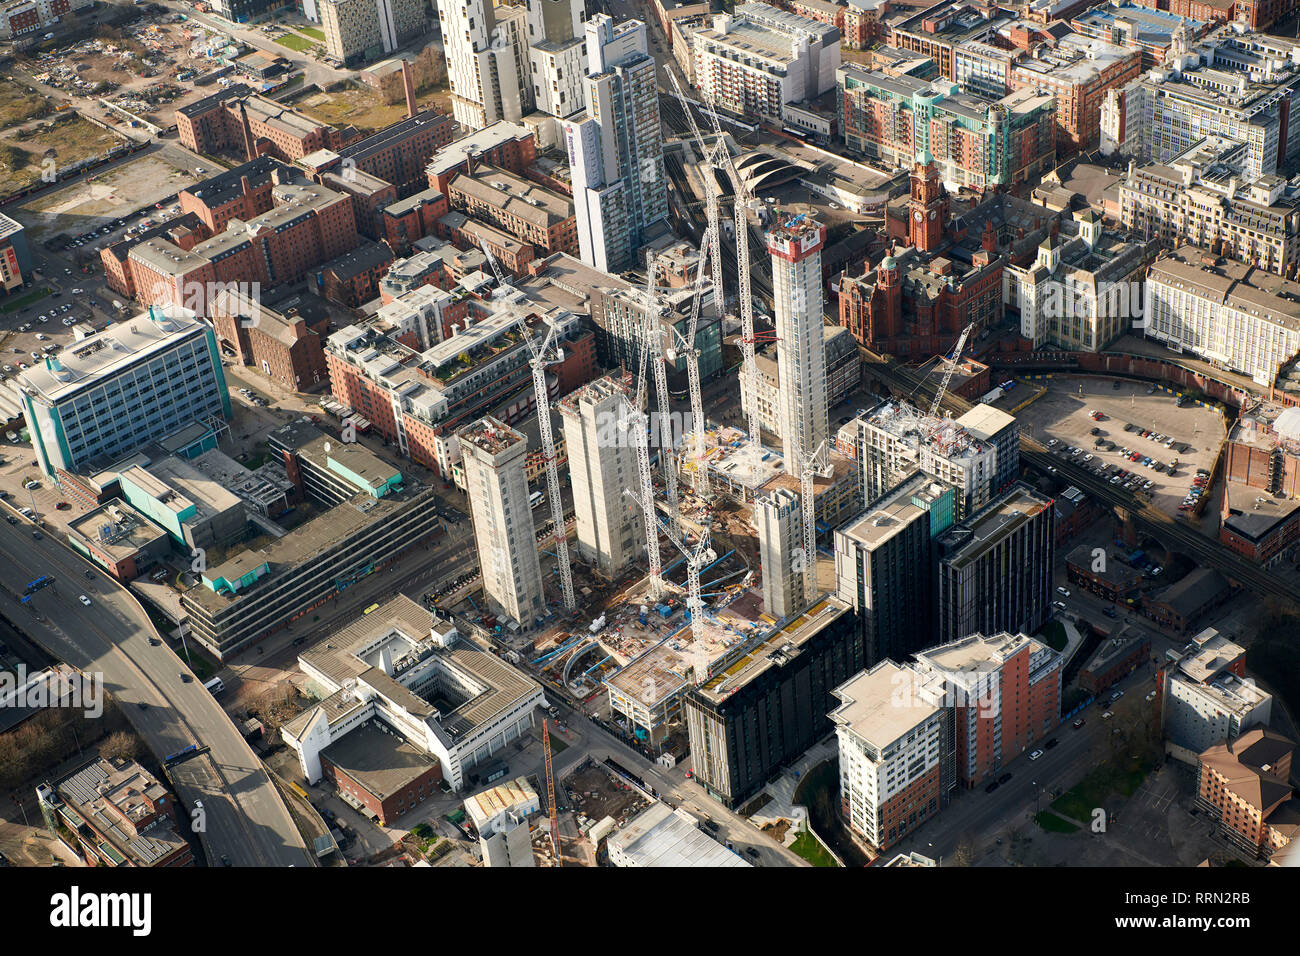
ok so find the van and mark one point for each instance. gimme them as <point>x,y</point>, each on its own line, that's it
<point>214,686</point>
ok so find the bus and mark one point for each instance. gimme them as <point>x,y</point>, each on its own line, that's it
<point>214,686</point>
<point>535,500</point>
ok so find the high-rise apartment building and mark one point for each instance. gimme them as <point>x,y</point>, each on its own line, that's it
<point>358,30</point>
<point>755,61</point>
<point>503,525</point>
<point>995,568</point>
<point>487,61</point>
<point>616,147</point>
<point>886,566</point>
<point>796,246</point>
<point>1004,690</point>
<point>557,55</point>
<point>602,464</point>
<point>110,393</point>
<point>779,521</point>
<point>894,742</point>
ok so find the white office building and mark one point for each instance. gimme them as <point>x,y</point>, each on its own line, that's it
<point>108,394</point>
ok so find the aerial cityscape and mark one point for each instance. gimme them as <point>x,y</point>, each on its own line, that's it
<point>649,433</point>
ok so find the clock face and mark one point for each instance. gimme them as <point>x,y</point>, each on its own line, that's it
<point>918,215</point>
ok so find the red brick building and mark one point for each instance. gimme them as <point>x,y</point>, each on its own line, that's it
<point>380,772</point>
<point>518,206</point>
<point>502,144</point>
<point>282,345</point>
<point>235,120</point>
<point>406,220</point>
<point>1005,691</point>
<point>1245,785</point>
<point>353,278</point>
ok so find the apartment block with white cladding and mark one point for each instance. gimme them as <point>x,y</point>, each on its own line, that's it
<point>557,55</point>
<point>893,731</point>
<point>486,47</point>
<point>1226,312</point>
<point>753,62</point>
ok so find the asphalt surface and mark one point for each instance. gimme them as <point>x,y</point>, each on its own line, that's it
<point>246,820</point>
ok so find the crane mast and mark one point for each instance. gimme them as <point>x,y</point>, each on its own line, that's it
<point>809,468</point>
<point>654,337</point>
<point>541,357</point>
<point>550,790</point>
<point>636,421</point>
<point>951,368</point>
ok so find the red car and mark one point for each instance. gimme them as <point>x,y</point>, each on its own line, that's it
<point>62,506</point>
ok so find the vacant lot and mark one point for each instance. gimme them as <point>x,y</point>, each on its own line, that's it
<point>72,140</point>
<point>17,105</point>
<point>363,107</point>
<point>84,204</point>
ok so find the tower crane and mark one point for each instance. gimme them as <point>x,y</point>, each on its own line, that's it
<point>635,421</point>
<point>720,158</point>
<point>685,346</point>
<point>952,367</point>
<point>492,261</point>
<point>548,353</point>
<point>810,467</point>
<point>697,558</point>
<point>550,790</point>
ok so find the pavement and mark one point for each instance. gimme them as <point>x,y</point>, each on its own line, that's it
<point>246,819</point>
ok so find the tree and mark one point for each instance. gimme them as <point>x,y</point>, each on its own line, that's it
<point>120,746</point>
<point>963,854</point>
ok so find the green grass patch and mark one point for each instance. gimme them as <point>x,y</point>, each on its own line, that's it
<point>312,32</point>
<point>1091,792</point>
<point>1053,633</point>
<point>811,849</point>
<point>24,300</point>
<point>295,42</point>
<point>1054,824</point>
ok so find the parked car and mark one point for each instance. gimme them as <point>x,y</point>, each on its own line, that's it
<point>1035,755</point>
<point>1063,591</point>
<point>1078,723</point>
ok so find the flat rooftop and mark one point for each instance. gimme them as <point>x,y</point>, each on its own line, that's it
<point>117,529</point>
<point>660,836</point>
<point>110,352</point>
<point>871,709</point>
<point>383,763</point>
<point>993,523</point>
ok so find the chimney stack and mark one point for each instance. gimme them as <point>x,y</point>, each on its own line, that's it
<point>245,186</point>
<point>409,85</point>
<point>250,152</point>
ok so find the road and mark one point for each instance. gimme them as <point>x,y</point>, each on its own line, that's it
<point>246,819</point>
<point>976,816</point>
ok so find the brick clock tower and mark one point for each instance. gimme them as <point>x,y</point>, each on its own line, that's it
<point>927,210</point>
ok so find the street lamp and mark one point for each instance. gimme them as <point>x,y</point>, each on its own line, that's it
<point>931,846</point>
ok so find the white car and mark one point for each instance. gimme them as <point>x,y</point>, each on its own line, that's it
<point>83,599</point>
<point>1035,755</point>
<point>1063,591</point>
